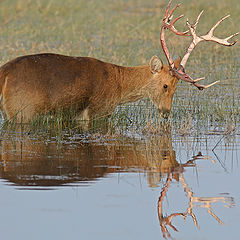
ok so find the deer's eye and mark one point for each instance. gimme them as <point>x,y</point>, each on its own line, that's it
<point>165,86</point>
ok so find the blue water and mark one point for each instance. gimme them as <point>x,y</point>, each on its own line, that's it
<point>111,189</point>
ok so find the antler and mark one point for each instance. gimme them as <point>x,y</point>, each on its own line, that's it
<point>180,72</point>
<point>170,25</point>
<point>208,37</point>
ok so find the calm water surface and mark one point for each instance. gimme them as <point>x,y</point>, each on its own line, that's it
<point>154,188</point>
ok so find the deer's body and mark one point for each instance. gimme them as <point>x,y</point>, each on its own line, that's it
<point>33,84</point>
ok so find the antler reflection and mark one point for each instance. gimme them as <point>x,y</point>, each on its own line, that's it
<point>203,202</point>
<point>167,220</point>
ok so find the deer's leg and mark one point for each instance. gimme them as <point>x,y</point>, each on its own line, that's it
<point>84,119</point>
<point>13,110</point>
<point>90,120</point>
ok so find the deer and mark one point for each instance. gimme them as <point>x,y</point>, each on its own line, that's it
<point>34,84</point>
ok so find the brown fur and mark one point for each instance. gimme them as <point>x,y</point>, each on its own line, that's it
<point>35,84</point>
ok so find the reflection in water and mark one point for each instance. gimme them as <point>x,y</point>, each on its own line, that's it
<point>36,162</point>
<point>203,202</point>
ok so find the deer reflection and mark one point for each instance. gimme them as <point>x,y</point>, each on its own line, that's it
<point>34,161</point>
<point>203,202</point>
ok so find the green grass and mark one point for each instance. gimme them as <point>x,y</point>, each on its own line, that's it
<point>127,33</point>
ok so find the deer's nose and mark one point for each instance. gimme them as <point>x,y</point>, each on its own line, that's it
<point>164,112</point>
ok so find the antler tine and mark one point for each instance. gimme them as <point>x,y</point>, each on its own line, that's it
<point>230,37</point>
<point>201,87</point>
<point>197,20</point>
<point>168,17</point>
<point>167,9</point>
<point>194,219</point>
<point>180,73</point>
<point>176,19</point>
<point>209,36</point>
<point>210,84</point>
<point>171,12</point>
<point>215,216</point>
<point>199,79</point>
<point>174,30</point>
<point>210,32</point>
<point>195,39</point>
<point>170,25</point>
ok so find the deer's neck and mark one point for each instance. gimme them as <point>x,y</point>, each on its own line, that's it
<point>134,83</point>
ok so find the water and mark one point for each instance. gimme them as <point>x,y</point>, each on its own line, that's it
<point>121,188</point>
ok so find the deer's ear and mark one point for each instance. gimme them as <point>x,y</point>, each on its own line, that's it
<point>177,62</point>
<point>155,64</point>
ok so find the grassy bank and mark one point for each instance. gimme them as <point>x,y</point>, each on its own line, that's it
<point>127,33</point>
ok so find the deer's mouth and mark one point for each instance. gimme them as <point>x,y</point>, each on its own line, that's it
<point>164,112</point>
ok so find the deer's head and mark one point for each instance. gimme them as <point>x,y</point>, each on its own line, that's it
<point>166,77</point>
<point>163,83</point>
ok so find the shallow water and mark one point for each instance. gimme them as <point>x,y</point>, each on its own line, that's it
<point>120,188</point>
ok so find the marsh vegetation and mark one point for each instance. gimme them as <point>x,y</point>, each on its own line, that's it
<point>129,39</point>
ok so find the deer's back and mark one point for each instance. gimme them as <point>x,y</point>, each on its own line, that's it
<point>51,80</point>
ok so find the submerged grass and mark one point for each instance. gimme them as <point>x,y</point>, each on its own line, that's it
<point>127,33</point>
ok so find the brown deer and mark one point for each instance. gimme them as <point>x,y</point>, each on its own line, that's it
<point>39,83</point>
